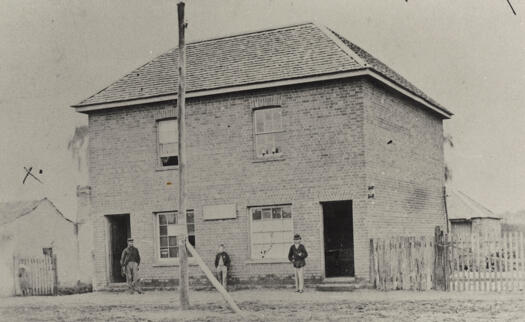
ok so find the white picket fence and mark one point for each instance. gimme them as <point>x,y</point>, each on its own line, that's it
<point>35,275</point>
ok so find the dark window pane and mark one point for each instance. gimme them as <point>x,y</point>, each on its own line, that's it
<point>171,218</point>
<point>163,241</point>
<point>191,228</point>
<point>190,217</point>
<point>276,213</point>
<point>169,161</point>
<point>172,241</point>
<point>162,219</point>
<point>164,253</point>
<point>174,251</point>
<point>267,213</point>
<point>163,230</point>
<point>256,214</point>
<point>191,239</point>
<point>287,212</point>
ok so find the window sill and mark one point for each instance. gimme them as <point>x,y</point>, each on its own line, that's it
<point>174,263</point>
<point>171,167</point>
<point>267,261</point>
<point>269,159</point>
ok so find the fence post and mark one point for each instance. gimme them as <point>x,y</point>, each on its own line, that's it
<point>371,259</point>
<point>441,261</point>
<point>15,275</point>
<point>55,277</point>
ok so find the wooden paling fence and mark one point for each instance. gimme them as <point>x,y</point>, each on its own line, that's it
<point>35,275</point>
<point>484,262</point>
<point>490,262</point>
<point>402,263</point>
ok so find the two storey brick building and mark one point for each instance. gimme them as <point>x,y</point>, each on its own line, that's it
<point>289,130</point>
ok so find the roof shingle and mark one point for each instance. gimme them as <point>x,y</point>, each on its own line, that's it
<point>278,54</point>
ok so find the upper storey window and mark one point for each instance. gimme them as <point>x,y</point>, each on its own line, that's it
<point>268,132</point>
<point>168,138</point>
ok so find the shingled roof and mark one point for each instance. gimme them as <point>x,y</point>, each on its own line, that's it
<point>288,53</point>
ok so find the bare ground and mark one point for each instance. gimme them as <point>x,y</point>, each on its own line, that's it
<point>270,305</point>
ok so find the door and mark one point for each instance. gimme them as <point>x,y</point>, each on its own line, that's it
<point>119,232</point>
<point>338,238</point>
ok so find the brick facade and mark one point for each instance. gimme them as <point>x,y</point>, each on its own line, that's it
<point>335,146</point>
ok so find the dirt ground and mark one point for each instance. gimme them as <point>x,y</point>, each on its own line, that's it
<point>270,305</point>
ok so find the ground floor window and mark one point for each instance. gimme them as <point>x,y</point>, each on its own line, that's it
<point>168,228</point>
<point>271,231</point>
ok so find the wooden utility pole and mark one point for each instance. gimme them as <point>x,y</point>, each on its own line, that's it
<point>183,256</point>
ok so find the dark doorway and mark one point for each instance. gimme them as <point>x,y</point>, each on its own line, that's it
<point>119,232</point>
<point>338,238</point>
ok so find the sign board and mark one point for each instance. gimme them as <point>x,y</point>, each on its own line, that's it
<point>219,212</point>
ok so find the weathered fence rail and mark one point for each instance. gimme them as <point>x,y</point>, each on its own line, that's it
<point>402,263</point>
<point>485,262</point>
<point>35,275</point>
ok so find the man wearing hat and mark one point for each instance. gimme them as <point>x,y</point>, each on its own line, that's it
<point>130,261</point>
<point>297,255</point>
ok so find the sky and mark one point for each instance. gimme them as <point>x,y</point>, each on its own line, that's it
<point>468,55</point>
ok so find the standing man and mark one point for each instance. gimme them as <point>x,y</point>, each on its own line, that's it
<point>222,264</point>
<point>297,255</point>
<point>130,261</point>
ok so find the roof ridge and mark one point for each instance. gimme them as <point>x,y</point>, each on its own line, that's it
<point>172,50</point>
<point>347,50</point>
<point>248,33</point>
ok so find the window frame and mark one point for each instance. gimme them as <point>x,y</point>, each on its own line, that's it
<point>278,155</point>
<point>250,214</point>
<point>169,260</point>
<point>158,161</point>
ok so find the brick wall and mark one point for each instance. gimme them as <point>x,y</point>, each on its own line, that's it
<point>324,160</point>
<point>407,173</point>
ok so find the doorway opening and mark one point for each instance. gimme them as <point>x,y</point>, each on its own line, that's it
<point>338,238</point>
<point>119,232</point>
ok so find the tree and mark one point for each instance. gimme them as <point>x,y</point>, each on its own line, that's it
<point>76,143</point>
<point>448,140</point>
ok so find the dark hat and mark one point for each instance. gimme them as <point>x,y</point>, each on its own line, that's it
<point>296,237</point>
<point>130,239</point>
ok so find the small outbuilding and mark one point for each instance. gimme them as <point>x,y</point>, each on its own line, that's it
<point>467,216</point>
<point>36,229</point>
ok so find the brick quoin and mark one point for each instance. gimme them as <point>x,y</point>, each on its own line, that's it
<point>334,147</point>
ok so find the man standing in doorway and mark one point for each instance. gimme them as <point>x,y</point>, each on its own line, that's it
<point>130,261</point>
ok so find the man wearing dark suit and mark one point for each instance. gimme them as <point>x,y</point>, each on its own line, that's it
<point>297,256</point>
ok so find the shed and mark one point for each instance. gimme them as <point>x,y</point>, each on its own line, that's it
<point>34,229</point>
<point>467,216</point>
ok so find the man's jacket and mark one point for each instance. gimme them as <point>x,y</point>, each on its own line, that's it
<point>296,255</point>
<point>130,254</point>
<point>225,259</point>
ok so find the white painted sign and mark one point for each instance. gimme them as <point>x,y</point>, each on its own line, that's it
<point>219,212</point>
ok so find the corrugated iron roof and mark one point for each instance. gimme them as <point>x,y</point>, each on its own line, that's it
<point>462,206</point>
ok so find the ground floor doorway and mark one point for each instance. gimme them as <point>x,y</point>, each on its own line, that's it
<point>338,238</point>
<point>119,232</point>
